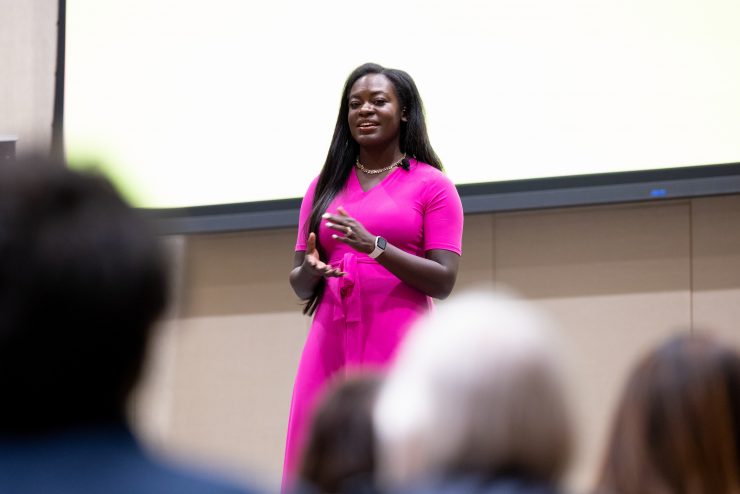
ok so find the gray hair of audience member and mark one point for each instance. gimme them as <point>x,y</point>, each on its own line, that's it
<point>477,388</point>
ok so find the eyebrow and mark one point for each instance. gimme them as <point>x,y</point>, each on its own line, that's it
<point>374,93</point>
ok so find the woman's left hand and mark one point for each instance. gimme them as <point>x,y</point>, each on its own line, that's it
<point>350,231</point>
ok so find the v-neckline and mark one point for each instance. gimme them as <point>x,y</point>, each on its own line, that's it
<point>382,181</point>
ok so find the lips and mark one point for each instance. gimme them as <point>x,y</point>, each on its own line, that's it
<point>367,124</point>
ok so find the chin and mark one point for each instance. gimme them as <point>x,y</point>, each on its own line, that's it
<point>369,140</point>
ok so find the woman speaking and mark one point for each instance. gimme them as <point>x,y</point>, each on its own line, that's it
<point>379,236</point>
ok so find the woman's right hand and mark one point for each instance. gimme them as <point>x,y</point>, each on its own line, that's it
<point>313,264</point>
<point>309,269</point>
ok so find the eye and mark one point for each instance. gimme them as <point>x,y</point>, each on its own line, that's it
<point>354,104</point>
<point>379,102</point>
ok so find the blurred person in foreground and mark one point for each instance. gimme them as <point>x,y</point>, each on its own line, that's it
<point>340,450</point>
<point>677,424</point>
<point>82,282</point>
<point>476,403</point>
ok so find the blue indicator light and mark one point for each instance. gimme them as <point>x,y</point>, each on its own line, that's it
<point>658,192</point>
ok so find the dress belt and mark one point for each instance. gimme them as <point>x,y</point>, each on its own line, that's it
<point>350,292</point>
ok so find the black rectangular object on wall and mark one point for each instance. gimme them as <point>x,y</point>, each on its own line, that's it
<point>7,149</point>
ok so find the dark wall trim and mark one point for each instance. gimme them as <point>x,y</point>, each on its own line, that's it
<point>57,123</point>
<point>582,190</point>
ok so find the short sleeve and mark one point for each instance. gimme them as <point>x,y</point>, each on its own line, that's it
<point>443,216</point>
<point>305,215</point>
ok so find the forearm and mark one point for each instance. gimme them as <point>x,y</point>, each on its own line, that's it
<point>426,275</point>
<point>434,274</point>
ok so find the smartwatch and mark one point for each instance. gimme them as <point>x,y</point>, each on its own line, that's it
<point>380,245</point>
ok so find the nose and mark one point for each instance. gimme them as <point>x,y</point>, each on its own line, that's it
<point>366,109</point>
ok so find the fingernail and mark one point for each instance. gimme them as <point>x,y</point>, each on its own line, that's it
<point>334,236</point>
<point>325,215</point>
<point>329,224</point>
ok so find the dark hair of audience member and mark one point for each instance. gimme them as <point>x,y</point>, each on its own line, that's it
<point>82,280</point>
<point>730,362</point>
<point>340,448</point>
<point>676,427</point>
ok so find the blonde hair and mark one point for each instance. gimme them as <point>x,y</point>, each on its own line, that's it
<point>477,387</point>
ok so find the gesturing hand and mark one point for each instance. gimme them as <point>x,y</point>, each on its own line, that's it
<point>353,233</point>
<point>313,263</point>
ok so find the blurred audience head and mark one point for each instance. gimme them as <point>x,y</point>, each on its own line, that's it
<point>477,389</point>
<point>82,280</point>
<point>340,452</point>
<point>676,426</point>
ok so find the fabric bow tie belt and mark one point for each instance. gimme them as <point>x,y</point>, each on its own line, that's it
<point>350,291</point>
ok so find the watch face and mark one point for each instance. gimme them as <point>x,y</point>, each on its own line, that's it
<point>382,243</point>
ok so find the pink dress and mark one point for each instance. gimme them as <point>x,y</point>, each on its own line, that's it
<point>363,316</point>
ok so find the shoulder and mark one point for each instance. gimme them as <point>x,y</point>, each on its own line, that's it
<point>520,486</point>
<point>115,463</point>
<point>426,171</point>
<point>310,191</point>
<point>144,472</point>
<point>430,177</point>
<point>167,478</point>
<point>480,485</point>
<point>312,184</point>
<point>432,184</point>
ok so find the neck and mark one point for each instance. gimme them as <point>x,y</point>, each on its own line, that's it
<point>375,159</point>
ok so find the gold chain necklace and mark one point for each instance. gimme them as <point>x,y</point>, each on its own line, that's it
<point>381,170</point>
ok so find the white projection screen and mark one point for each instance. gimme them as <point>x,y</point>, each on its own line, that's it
<point>228,106</point>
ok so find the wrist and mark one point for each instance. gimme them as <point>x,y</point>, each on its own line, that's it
<point>310,270</point>
<point>379,247</point>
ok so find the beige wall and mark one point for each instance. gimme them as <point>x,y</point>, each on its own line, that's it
<point>618,279</point>
<point>27,64</point>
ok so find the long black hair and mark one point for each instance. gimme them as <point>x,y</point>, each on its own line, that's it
<point>343,150</point>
